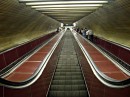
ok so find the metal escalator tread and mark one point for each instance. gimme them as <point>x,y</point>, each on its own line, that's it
<point>67,87</point>
<point>79,93</point>
<point>68,73</point>
<point>67,82</point>
<point>72,77</point>
<point>68,79</point>
<point>68,70</point>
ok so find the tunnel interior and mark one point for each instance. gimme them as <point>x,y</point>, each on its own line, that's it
<point>40,59</point>
<point>24,20</point>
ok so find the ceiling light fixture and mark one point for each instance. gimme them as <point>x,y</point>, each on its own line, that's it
<point>66,2</point>
<point>62,6</point>
<point>74,8</point>
<point>67,11</point>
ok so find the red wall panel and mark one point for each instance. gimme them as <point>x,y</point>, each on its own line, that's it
<point>2,61</point>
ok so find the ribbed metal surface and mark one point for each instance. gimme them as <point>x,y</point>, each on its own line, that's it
<point>68,79</point>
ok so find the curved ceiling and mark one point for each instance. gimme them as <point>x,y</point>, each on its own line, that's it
<point>66,11</point>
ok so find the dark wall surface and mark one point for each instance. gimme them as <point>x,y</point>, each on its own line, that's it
<point>19,23</point>
<point>111,22</point>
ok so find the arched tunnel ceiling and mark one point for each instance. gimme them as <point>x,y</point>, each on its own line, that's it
<point>66,11</point>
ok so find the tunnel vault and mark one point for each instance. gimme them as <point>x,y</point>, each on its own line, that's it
<point>19,24</point>
<point>24,20</point>
<point>110,22</point>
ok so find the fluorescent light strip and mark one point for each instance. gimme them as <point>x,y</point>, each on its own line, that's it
<point>70,18</point>
<point>64,12</point>
<point>60,15</point>
<point>64,18</point>
<point>66,2</point>
<point>33,0</point>
<point>75,8</point>
<point>67,18</point>
<point>67,11</point>
<point>66,15</point>
<point>61,6</point>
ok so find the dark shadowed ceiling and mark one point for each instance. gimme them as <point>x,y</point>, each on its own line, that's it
<point>66,11</point>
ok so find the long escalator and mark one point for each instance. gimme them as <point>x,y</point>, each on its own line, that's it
<point>68,80</point>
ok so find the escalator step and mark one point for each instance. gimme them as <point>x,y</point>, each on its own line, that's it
<point>67,62</point>
<point>68,70</point>
<point>75,77</point>
<point>67,87</point>
<point>67,73</point>
<point>68,66</point>
<point>82,93</point>
<point>70,52</point>
<point>67,82</point>
<point>66,56</point>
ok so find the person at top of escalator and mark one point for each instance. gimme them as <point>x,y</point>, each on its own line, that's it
<point>90,35</point>
<point>57,30</point>
<point>84,32</point>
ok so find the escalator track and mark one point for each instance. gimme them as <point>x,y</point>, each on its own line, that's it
<point>68,79</point>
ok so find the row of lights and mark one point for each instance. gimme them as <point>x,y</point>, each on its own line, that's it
<point>61,8</point>
<point>59,4</point>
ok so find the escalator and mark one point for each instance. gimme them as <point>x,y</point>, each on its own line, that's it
<point>64,72</point>
<point>68,79</point>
